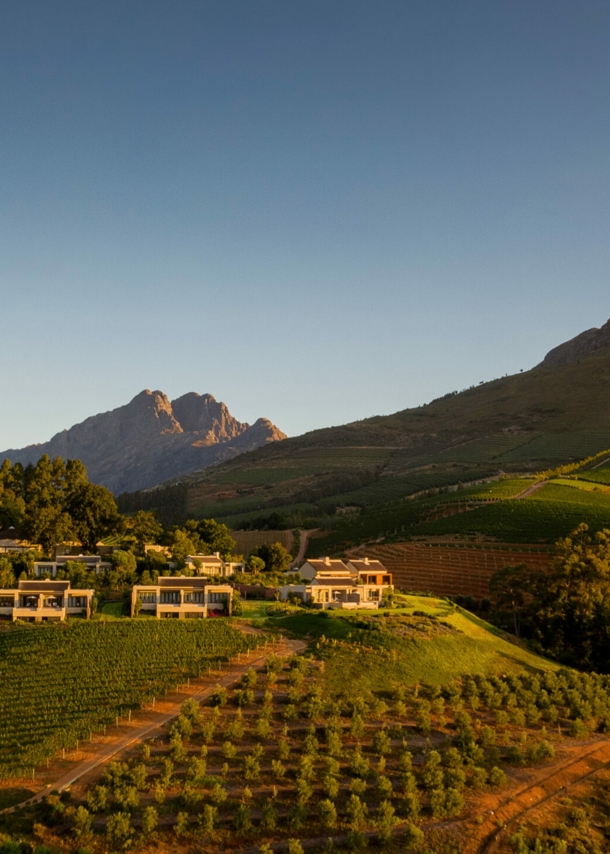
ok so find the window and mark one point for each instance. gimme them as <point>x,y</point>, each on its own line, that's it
<point>77,601</point>
<point>148,598</point>
<point>217,597</point>
<point>7,601</point>
<point>170,598</point>
<point>196,598</point>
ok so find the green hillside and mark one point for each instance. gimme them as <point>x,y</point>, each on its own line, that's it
<point>520,424</point>
<point>426,641</point>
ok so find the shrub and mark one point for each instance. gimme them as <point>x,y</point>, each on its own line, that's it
<point>208,818</point>
<point>331,786</point>
<point>478,778</point>
<point>381,743</point>
<point>181,824</point>
<point>497,777</point>
<point>411,806</point>
<point>269,816</point>
<point>356,811</point>
<point>385,820</point>
<point>358,764</point>
<point>243,820</point>
<point>297,816</point>
<point>118,829</point>
<point>218,795</point>
<point>304,790</point>
<point>327,813</point>
<point>83,823</point>
<point>150,820</point>
<point>219,696</point>
<point>295,847</point>
<point>578,729</point>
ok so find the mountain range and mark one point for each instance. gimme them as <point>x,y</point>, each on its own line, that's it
<point>152,439</point>
<point>556,412</point>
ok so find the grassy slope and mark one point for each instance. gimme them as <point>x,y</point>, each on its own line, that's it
<point>368,660</point>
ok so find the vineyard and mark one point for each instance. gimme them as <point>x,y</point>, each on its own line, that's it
<point>60,683</point>
<point>292,757</point>
<point>448,569</point>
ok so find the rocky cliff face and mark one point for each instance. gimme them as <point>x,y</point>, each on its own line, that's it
<point>152,439</point>
<point>578,348</point>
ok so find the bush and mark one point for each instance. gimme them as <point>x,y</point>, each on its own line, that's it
<point>497,777</point>
<point>150,820</point>
<point>328,814</point>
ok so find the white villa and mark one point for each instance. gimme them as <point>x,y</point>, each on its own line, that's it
<point>50,567</point>
<point>181,597</point>
<point>45,600</point>
<point>214,565</point>
<point>335,584</point>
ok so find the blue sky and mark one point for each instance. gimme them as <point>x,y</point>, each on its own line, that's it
<point>316,211</point>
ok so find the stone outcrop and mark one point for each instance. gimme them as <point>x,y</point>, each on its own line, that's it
<point>153,439</point>
<point>578,348</point>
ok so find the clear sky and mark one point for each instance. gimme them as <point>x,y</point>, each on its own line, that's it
<point>315,210</point>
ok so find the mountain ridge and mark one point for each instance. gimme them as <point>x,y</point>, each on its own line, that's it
<point>151,438</point>
<point>556,412</point>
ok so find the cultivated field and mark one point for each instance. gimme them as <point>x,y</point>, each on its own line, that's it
<point>448,569</point>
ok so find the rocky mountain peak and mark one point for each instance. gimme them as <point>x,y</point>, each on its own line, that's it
<point>152,439</point>
<point>579,347</point>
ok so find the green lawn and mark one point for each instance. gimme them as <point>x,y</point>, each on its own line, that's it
<point>255,609</point>
<point>113,610</point>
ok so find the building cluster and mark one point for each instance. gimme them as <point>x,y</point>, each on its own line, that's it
<point>325,583</point>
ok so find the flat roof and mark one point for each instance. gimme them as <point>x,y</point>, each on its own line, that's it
<point>44,586</point>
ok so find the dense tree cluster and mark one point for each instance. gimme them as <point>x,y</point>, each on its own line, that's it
<point>53,501</point>
<point>566,608</point>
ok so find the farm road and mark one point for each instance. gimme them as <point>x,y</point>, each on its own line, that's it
<point>302,548</point>
<point>547,783</point>
<point>139,730</point>
<point>531,489</point>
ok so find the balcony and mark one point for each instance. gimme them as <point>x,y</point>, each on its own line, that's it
<point>30,612</point>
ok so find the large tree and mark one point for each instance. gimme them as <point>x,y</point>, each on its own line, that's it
<point>94,514</point>
<point>144,527</point>
<point>216,537</point>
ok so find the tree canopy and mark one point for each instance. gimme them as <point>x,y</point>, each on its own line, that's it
<point>566,608</point>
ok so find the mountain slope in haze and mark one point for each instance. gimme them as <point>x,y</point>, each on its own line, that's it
<point>152,439</point>
<point>556,412</point>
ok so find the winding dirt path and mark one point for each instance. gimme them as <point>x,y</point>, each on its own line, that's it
<point>547,783</point>
<point>143,723</point>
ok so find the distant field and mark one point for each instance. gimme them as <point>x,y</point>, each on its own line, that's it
<point>538,519</point>
<point>449,569</point>
<point>245,541</point>
<point>601,475</point>
<point>575,445</point>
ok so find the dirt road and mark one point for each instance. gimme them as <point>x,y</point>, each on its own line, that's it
<point>544,784</point>
<point>145,723</point>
